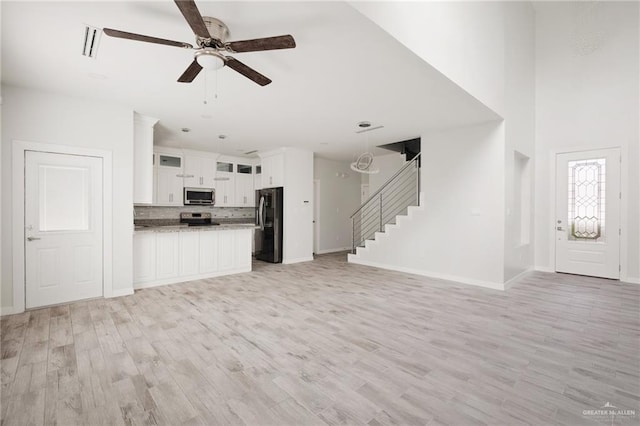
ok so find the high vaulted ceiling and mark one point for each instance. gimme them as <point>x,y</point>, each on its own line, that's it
<point>344,70</point>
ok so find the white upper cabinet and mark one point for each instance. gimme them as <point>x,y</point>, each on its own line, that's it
<point>244,196</point>
<point>199,171</point>
<point>143,158</point>
<point>225,184</point>
<point>257,177</point>
<point>169,186</point>
<point>273,170</point>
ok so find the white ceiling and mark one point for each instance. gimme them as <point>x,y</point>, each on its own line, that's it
<point>345,69</point>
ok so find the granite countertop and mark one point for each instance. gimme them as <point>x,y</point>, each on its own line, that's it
<point>176,226</point>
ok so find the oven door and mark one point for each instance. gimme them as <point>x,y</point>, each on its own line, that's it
<point>199,196</point>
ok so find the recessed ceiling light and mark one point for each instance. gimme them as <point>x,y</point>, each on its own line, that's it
<point>364,124</point>
<point>186,129</point>
<point>206,116</point>
<point>222,136</point>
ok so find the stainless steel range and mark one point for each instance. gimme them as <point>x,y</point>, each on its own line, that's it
<point>197,219</point>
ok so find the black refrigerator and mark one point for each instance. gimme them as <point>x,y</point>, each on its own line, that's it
<point>269,214</point>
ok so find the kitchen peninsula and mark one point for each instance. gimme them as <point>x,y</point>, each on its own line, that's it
<point>168,251</point>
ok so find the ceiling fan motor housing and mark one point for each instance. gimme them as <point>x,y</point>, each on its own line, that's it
<point>217,30</point>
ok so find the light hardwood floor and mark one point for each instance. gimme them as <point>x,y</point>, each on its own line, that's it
<point>326,342</point>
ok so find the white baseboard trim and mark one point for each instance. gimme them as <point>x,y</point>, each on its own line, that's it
<point>631,280</point>
<point>8,310</point>
<point>333,250</point>
<point>121,292</point>
<point>298,260</point>
<point>544,269</point>
<point>457,279</point>
<point>182,279</point>
<point>522,274</point>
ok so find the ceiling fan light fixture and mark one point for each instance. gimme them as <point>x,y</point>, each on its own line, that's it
<point>209,59</point>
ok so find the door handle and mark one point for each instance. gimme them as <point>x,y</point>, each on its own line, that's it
<point>32,238</point>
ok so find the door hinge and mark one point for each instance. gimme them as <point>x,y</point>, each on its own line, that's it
<point>620,195</point>
<point>619,231</point>
<point>619,268</point>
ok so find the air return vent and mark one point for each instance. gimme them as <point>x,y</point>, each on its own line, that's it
<point>251,152</point>
<point>91,40</point>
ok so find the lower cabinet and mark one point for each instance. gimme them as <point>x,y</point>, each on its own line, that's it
<point>242,248</point>
<point>225,251</point>
<point>167,254</point>
<point>144,257</point>
<point>189,253</point>
<point>208,252</point>
<point>170,257</point>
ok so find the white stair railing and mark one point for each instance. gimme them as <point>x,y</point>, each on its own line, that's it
<point>392,199</point>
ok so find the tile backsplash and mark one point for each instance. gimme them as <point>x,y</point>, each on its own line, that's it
<point>156,212</point>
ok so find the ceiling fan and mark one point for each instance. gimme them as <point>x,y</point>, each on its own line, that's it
<point>212,45</point>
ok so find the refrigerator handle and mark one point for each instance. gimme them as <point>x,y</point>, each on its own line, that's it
<point>261,213</point>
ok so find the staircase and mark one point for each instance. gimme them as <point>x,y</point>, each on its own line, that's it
<point>385,208</point>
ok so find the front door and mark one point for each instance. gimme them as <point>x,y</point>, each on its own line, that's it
<point>63,228</point>
<point>588,213</point>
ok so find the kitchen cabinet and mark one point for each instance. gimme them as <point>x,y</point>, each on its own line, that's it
<point>273,171</point>
<point>167,254</point>
<point>144,253</point>
<point>244,196</point>
<point>242,246</point>
<point>208,252</point>
<point>257,178</point>
<point>226,250</point>
<point>225,185</point>
<point>189,253</point>
<point>169,186</point>
<point>199,172</point>
<point>183,255</point>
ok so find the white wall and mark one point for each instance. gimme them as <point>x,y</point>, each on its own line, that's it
<point>298,205</point>
<point>34,116</point>
<point>388,165</point>
<point>519,128</point>
<point>339,198</point>
<point>462,40</point>
<point>587,102</point>
<point>459,235</point>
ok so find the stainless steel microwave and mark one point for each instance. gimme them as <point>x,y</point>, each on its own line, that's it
<point>201,196</point>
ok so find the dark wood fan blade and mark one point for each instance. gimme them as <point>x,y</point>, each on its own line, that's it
<point>268,43</point>
<point>190,73</point>
<point>194,18</point>
<point>248,72</point>
<point>139,37</point>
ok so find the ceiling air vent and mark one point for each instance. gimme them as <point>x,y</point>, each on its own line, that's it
<point>91,40</point>
<point>251,152</point>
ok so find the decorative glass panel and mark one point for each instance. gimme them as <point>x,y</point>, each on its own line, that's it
<point>64,198</point>
<point>170,161</point>
<point>243,169</point>
<point>587,200</point>
<point>224,167</point>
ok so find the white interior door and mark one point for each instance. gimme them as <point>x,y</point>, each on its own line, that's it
<point>63,228</point>
<point>588,213</point>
